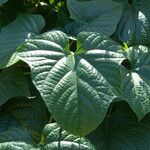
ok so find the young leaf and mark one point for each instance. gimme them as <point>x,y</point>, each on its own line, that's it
<point>95,15</point>
<point>24,27</point>
<point>77,87</point>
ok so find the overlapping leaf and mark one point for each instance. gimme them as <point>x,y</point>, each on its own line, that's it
<point>7,121</point>
<point>53,139</point>
<point>11,131</point>
<point>137,81</point>
<point>95,15</point>
<point>24,27</point>
<point>134,25</point>
<point>30,113</point>
<point>77,88</point>
<point>12,84</point>
<point>18,146</point>
<point>56,138</point>
<point>15,134</point>
<point>122,131</point>
<point>12,135</point>
<point>9,11</point>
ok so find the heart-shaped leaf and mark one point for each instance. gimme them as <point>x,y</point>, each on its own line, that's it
<point>77,87</point>
<point>95,15</point>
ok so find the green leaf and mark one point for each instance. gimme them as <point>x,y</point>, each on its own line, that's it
<point>95,15</point>
<point>24,27</point>
<point>134,25</point>
<point>121,1</point>
<point>13,84</point>
<point>6,121</point>
<point>12,135</point>
<point>30,113</point>
<point>137,81</point>
<point>17,146</point>
<point>55,138</point>
<point>9,11</point>
<point>99,41</point>
<point>77,87</point>
<point>15,134</point>
<point>121,131</point>
<point>2,2</point>
<point>51,1</point>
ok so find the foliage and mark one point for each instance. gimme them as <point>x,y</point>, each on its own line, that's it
<point>74,74</point>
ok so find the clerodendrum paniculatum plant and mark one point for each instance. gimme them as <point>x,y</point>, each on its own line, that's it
<point>75,75</point>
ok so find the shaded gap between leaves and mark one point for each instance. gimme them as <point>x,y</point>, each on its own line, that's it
<point>130,2</point>
<point>72,45</point>
<point>127,64</point>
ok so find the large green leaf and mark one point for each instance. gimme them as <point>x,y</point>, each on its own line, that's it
<point>122,131</point>
<point>134,26</point>
<point>77,87</point>
<point>95,15</point>
<point>13,84</point>
<point>55,138</point>
<point>137,80</point>
<point>24,27</point>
